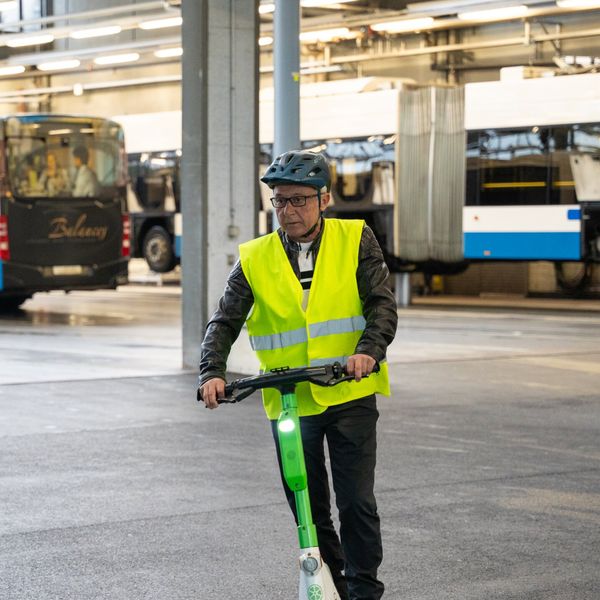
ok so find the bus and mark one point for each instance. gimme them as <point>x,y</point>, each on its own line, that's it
<point>153,145</point>
<point>531,171</point>
<point>63,219</point>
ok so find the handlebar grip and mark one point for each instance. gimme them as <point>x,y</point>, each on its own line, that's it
<point>229,389</point>
<point>376,368</point>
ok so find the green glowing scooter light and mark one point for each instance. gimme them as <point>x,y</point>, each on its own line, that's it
<point>286,425</point>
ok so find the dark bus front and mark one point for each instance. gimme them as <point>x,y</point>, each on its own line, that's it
<point>155,208</point>
<point>63,220</point>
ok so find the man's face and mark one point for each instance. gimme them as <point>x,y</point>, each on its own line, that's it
<point>297,220</point>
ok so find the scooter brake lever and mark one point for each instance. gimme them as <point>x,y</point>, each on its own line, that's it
<point>232,395</point>
<point>235,395</point>
<point>335,381</point>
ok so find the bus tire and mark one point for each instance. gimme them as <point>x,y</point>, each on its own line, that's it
<point>158,250</point>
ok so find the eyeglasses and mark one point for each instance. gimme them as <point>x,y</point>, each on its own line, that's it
<point>296,201</point>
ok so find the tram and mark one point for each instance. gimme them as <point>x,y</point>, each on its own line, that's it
<point>532,175</point>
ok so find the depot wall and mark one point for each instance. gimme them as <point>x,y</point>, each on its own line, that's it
<point>460,67</point>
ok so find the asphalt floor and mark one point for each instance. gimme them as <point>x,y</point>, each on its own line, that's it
<point>120,486</point>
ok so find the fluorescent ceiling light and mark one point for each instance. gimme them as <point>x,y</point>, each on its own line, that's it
<point>323,69</point>
<point>327,35</point>
<point>266,40</point>
<point>117,59</point>
<point>9,5</point>
<point>30,40</point>
<point>263,9</point>
<point>494,14</point>
<point>59,65</point>
<point>319,3</point>
<point>161,23</point>
<point>168,52</point>
<point>445,6</point>
<point>92,32</point>
<point>577,3</point>
<point>269,7</point>
<point>11,70</point>
<point>60,131</point>
<point>404,25</point>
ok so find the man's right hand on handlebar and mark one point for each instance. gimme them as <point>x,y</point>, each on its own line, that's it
<point>360,365</point>
<point>211,390</point>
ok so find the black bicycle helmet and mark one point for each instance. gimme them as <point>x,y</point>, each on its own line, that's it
<point>299,166</point>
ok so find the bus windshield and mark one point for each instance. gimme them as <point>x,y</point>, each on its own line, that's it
<point>66,157</point>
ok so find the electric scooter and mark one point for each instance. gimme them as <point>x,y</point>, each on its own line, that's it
<point>316,582</point>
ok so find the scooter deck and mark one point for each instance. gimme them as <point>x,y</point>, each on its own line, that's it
<point>316,582</point>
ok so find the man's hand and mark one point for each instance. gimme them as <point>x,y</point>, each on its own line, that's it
<point>360,365</point>
<point>211,390</point>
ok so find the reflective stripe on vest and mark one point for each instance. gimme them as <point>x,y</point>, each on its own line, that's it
<point>278,340</point>
<point>298,336</point>
<point>318,362</point>
<point>334,326</point>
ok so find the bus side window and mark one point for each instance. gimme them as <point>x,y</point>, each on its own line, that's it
<point>133,170</point>
<point>159,178</point>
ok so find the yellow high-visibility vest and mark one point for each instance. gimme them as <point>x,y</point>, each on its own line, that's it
<point>284,335</point>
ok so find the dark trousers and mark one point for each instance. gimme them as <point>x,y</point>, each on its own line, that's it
<point>350,431</point>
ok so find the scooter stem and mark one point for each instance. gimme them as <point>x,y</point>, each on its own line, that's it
<point>294,468</point>
<point>316,582</point>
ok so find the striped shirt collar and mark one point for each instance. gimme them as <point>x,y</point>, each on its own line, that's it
<point>295,246</point>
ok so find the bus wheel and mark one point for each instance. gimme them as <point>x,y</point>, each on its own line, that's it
<point>12,303</point>
<point>158,250</point>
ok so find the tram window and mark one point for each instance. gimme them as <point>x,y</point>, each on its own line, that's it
<point>585,159</point>
<point>513,166</point>
<point>472,183</point>
<point>352,166</point>
<point>586,138</point>
<point>352,180</point>
<point>562,186</point>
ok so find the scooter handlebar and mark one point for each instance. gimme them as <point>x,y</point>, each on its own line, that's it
<point>324,376</point>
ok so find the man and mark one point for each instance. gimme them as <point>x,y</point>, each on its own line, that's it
<point>53,180</point>
<point>86,182</point>
<point>317,291</point>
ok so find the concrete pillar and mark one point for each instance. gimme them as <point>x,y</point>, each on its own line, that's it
<point>286,75</point>
<point>219,154</point>
<point>403,291</point>
<point>286,80</point>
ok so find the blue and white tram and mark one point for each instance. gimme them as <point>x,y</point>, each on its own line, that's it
<point>533,159</point>
<point>533,169</point>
